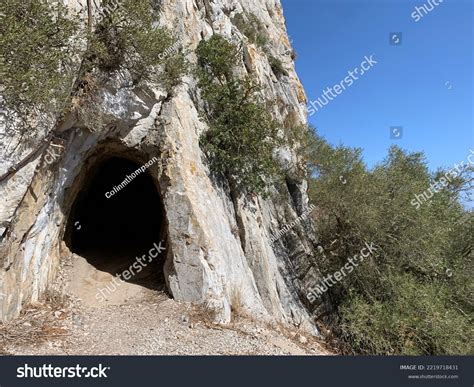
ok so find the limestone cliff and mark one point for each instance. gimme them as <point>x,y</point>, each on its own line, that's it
<point>219,244</point>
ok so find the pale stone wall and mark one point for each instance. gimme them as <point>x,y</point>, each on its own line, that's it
<point>208,261</point>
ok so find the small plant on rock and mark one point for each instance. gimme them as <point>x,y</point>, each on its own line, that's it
<point>242,135</point>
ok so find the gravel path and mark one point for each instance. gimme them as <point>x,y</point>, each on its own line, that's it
<point>144,322</point>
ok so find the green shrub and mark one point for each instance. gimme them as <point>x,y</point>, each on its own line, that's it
<point>40,39</point>
<point>242,135</point>
<point>277,66</point>
<point>418,319</point>
<point>128,38</point>
<point>414,294</point>
<point>216,60</point>
<point>251,26</point>
<point>174,69</point>
<point>35,49</point>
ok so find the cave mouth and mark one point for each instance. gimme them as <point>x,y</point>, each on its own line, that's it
<point>120,228</point>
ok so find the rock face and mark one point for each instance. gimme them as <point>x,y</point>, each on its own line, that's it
<point>219,245</point>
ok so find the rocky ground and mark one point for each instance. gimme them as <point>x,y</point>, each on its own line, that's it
<point>137,320</point>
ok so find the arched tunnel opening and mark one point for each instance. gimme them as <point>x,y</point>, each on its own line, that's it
<point>117,223</point>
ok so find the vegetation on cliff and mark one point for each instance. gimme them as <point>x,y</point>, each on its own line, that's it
<point>242,135</point>
<point>414,295</point>
<point>36,51</point>
<point>43,44</point>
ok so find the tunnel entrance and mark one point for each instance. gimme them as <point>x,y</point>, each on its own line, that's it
<point>119,227</point>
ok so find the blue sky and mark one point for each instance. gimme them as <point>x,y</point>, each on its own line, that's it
<point>424,85</point>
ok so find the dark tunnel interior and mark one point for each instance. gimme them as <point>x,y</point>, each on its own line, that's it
<point>111,232</point>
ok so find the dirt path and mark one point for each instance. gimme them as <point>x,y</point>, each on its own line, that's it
<point>136,320</point>
<point>98,288</point>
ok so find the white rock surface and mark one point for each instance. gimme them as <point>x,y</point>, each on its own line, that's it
<point>208,261</point>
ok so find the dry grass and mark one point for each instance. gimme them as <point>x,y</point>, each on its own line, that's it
<point>202,313</point>
<point>87,104</point>
<point>37,323</point>
<point>236,303</point>
<point>199,313</point>
<point>312,341</point>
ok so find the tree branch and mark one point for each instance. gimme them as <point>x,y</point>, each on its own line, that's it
<point>89,16</point>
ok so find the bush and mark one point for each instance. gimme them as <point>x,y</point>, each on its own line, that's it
<point>35,49</point>
<point>277,66</point>
<point>175,67</point>
<point>128,38</point>
<point>402,299</point>
<point>417,320</point>
<point>242,135</point>
<point>251,26</point>
<point>39,42</point>
<point>216,60</point>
